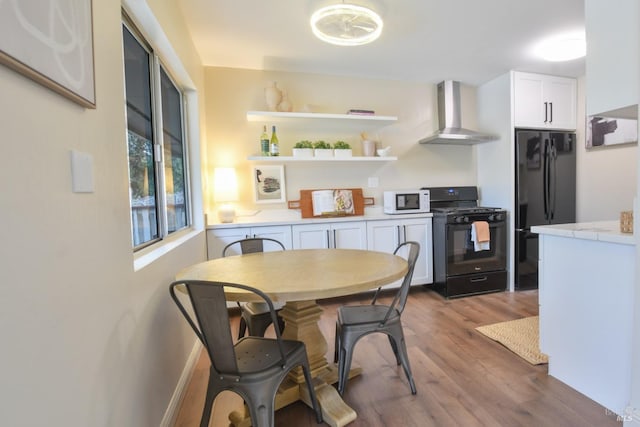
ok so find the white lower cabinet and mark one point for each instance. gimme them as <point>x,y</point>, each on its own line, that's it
<point>339,235</point>
<point>376,235</point>
<point>217,239</point>
<point>386,235</point>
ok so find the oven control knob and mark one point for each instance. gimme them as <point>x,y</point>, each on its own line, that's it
<point>498,217</point>
<point>457,219</point>
<point>466,219</point>
<point>491,218</point>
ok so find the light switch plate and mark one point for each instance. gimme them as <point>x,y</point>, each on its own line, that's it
<point>81,172</point>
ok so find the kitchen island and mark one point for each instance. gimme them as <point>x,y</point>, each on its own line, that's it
<point>586,296</point>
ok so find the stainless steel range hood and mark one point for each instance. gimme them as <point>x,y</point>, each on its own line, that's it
<point>451,132</point>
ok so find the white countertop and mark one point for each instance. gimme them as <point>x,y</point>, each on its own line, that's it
<point>292,216</point>
<point>604,231</point>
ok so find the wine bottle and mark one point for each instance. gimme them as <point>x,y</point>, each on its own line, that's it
<point>274,149</point>
<point>264,142</point>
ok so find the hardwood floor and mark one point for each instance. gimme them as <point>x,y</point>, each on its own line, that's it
<point>462,377</point>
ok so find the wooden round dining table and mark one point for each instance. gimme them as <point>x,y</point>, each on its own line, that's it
<point>299,278</point>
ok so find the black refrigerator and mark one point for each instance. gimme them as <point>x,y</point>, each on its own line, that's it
<point>545,193</point>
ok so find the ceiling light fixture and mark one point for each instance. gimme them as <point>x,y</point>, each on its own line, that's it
<point>562,48</point>
<point>346,24</point>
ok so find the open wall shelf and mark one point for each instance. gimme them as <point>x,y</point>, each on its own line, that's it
<point>265,116</point>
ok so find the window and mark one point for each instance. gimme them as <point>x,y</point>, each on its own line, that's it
<point>156,144</point>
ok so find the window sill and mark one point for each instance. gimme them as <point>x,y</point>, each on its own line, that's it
<point>148,255</point>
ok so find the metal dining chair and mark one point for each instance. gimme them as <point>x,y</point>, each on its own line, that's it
<point>354,322</point>
<point>254,367</point>
<point>254,316</point>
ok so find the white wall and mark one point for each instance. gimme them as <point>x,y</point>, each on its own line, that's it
<point>231,138</point>
<point>606,176</point>
<point>86,340</point>
<point>496,166</point>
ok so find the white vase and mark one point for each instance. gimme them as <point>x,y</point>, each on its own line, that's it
<point>273,96</point>
<point>368,148</point>
<point>285,104</point>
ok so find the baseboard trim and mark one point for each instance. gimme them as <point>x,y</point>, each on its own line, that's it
<point>169,418</point>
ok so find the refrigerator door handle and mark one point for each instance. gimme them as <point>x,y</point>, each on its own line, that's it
<point>552,179</point>
<point>545,179</point>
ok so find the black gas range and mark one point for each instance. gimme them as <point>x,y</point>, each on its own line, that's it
<point>461,266</point>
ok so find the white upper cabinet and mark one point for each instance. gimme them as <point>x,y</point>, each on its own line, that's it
<point>544,102</point>
<point>612,64</point>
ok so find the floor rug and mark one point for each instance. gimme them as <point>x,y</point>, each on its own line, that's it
<point>520,336</point>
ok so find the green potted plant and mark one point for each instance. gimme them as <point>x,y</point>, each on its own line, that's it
<point>342,150</point>
<point>303,149</point>
<point>322,149</point>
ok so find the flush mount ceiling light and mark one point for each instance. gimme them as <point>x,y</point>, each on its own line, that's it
<point>562,48</point>
<point>346,24</point>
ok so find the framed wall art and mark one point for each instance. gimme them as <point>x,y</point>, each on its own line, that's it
<point>51,42</point>
<point>605,131</point>
<point>268,184</point>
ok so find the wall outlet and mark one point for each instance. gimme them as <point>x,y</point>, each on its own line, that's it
<point>373,182</point>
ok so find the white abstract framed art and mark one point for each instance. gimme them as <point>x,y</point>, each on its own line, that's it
<point>51,42</point>
<point>605,131</point>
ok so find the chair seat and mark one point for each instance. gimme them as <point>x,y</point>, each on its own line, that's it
<point>255,354</point>
<point>364,314</point>
<point>255,308</point>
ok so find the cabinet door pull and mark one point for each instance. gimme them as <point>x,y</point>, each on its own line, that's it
<point>551,112</point>
<point>335,241</point>
<point>546,112</point>
<point>404,233</point>
<point>328,240</point>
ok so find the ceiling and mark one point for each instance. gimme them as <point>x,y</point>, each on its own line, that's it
<point>428,41</point>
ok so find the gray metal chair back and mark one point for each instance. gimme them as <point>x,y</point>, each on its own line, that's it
<point>400,300</point>
<point>253,367</point>
<point>354,322</point>
<point>253,316</point>
<point>251,245</point>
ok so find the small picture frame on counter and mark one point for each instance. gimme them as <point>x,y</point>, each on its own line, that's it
<point>268,184</point>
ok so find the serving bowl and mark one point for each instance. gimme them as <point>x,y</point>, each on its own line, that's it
<point>383,152</point>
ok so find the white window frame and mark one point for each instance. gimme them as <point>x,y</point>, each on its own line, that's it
<point>141,15</point>
<point>155,78</point>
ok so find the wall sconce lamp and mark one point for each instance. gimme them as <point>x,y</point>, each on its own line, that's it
<point>225,190</point>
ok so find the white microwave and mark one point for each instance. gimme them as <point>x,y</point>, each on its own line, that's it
<point>406,201</point>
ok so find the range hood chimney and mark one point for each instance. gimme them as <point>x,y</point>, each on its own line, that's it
<point>450,131</point>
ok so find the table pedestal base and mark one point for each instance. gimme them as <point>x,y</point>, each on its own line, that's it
<point>301,324</point>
